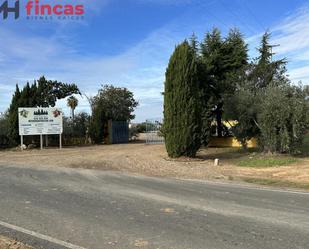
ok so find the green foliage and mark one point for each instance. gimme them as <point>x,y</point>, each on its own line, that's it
<point>283,119</point>
<point>267,107</point>
<point>224,62</point>
<point>76,129</point>
<point>305,146</point>
<point>182,122</point>
<point>48,92</point>
<point>13,117</point>
<point>141,128</point>
<point>243,107</point>
<point>4,130</point>
<point>111,103</point>
<point>117,103</point>
<point>266,162</point>
<point>264,70</point>
<point>72,102</point>
<point>97,124</point>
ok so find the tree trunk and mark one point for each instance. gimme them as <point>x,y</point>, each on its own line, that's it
<point>218,113</point>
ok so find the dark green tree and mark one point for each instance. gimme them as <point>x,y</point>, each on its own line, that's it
<point>225,61</point>
<point>267,106</point>
<point>182,121</point>
<point>111,103</point>
<point>283,118</point>
<point>48,91</point>
<point>97,124</point>
<point>13,117</point>
<point>264,70</point>
<point>243,107</point>
<point>118,103</point>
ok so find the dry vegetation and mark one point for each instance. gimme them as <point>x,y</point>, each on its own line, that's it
<point>6,243</point>
<point>152,160</point>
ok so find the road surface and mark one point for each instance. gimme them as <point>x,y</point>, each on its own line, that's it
<point>75,208</point>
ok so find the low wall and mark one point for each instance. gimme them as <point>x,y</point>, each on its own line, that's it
<point>230,142</point>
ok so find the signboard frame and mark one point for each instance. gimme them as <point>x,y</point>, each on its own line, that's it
<point>40,121</point>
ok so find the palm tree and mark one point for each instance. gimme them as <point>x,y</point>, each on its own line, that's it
<point>72,103</point>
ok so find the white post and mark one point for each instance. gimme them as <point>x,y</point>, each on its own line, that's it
<point>21,142</point>
<point>60,141</point>
<point>41,141</point>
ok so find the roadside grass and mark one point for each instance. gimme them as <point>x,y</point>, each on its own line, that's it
<point>251,158</point>
<point>277,183</point>
<point>266,161</point>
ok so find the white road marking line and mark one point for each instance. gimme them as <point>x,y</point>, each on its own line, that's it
<point>40,236</point>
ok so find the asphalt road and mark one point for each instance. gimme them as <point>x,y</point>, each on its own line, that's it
<point>95,209</point>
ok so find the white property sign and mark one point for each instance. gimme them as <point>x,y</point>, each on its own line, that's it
<point>40,121</point>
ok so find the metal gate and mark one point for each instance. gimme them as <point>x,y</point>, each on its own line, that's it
<point>153,131</point>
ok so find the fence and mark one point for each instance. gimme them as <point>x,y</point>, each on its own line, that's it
<point>118,132</point>
<point>153,131</point>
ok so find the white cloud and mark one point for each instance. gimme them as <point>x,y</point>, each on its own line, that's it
<point>292,34</point>
<point>141,68</point>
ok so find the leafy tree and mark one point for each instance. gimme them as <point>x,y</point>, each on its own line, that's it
<point>224,61</point>
<point>182,122</point>
<point>13,117</point>
<point>97,124</point>
<point>306,91</point>
<point>141,128</point>
<point>117,103</point>
<point>48,91</point>
<point>264,70</point>
<point>76,130</point>
<point>243,107</point>
<point>111,103</point>
<point>283,118</point>
<point>72,102</point>
<point>267,107</point>
<point>4,130</point>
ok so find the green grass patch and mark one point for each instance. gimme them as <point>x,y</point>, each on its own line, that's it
<point>277,183</point>
<point>265,162</point>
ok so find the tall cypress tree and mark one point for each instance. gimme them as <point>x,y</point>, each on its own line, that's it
<point>13,117</point>
<point>182,121</point>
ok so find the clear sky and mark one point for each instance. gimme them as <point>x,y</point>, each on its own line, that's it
<point>128,43</point>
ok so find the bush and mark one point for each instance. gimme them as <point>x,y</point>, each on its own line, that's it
<point>97,125</point>
<point>141,128</point>
<point>283,119</point>
<point>75,131</point>
<point>4,129</point>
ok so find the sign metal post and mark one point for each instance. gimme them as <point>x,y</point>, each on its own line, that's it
<point>41,141</point>
<point>60,141</point>
<point>21,142</point>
